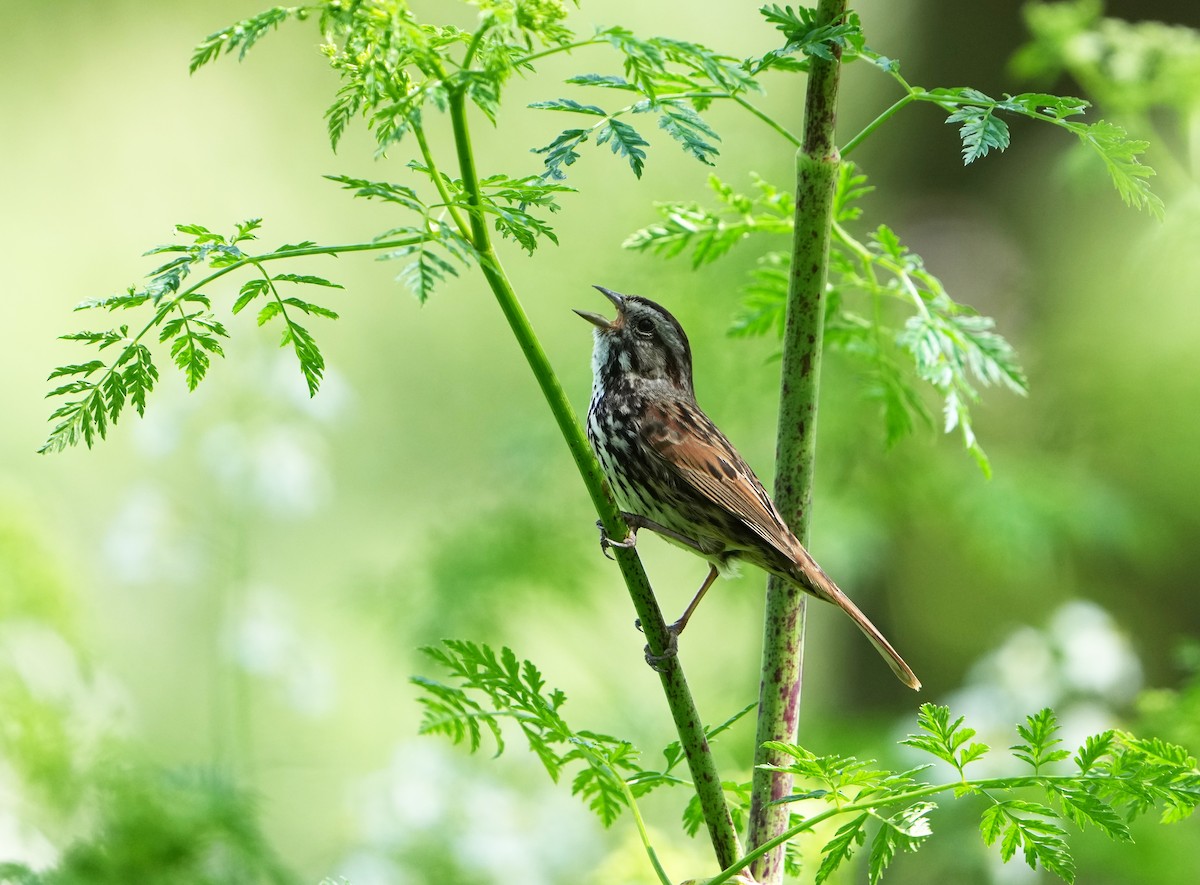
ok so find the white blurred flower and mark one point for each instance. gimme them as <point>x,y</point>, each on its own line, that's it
<point>264,640</point>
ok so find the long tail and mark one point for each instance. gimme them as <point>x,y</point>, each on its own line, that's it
<point>812,578</point>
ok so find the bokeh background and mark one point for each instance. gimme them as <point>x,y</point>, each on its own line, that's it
<point>207,623</point>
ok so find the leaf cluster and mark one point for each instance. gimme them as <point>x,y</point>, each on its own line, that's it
<point>809,37</point>
<point>983,130</point>
<point>487,689</point>
<point>933,340</point>
<point>1116,778</point>
<point>710,233</point>
<point>673,81</point>
<point>392,66</point>
<point>182,318</point>
<point>1113,778</point>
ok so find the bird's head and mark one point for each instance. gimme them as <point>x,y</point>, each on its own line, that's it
<point>642,342</point>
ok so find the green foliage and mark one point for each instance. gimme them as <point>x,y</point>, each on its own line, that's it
<point>807,35</point>
<point>1116,778</point>
<point>492,688</point>
<point>982,130</point>
<point>710,234</point>
<point>675,81</point>
<point>487,689</point>
<point>1119,777</point>
<point>181,315</point>
<point>1129,67</point>
<point>396,73</point>
<point>945,739</point>
<point>157,827</point>
<point>945,345</point>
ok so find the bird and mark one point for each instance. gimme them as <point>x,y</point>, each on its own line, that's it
<point>673,472</point>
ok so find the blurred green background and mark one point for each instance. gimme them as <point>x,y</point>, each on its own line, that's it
<point>207,623</point>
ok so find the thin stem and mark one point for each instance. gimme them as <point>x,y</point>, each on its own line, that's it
<point>476,40</point>
<point>679,698</point>
<point>554,50</point>
<point>447,200</point>
<point>643,833</point>
<point>783,630</point>
<point>907,99</point>
<point>770,121</point>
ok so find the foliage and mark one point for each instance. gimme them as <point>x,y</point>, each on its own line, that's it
<point>183,316</point>
<point>395,71</point>
<point>400,76</point>
<point>164,827</point>
<point>948,345</point>
<point>488,689</point>
<point>1114,777</point>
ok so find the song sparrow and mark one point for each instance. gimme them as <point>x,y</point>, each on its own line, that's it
<point>676,473</point>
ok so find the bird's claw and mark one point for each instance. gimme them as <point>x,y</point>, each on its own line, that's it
<point>658,663</point>
<point>606,541</point>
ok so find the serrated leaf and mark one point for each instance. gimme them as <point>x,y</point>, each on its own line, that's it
<point>381,190</point>
<point>903,831</point>
<point>981,131</point>
<point>310,308</point>
<point>606,81</point>
<point>1082,807</point>
<point>305,279</point>
<point>569,105</point>
<point>1024,825</point>
<point>250,290</point>
<point>241,36</point>
<point>1094,748</point>
<point>945,739</point>
<point>562,151</point>
<point>1039,732</point>
<point>841,847</point>
<point>84,369</point>
<point>269,311</point>
<point>687,127</point>
<point>625,141</point>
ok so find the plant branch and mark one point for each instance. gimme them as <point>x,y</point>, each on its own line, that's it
<point>679,699</point>
<point>766,118</point>
<point>435,176</point>
<point>849,146</point>
<point>783,629</point>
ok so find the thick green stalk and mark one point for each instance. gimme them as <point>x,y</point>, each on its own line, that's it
<point>783,630</point>
<point>679,698</point>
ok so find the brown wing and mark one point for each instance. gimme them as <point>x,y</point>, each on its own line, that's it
<point>685,438</point>
<point>690,444</point>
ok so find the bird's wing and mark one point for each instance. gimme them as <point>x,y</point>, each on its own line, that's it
<point>691,445</point>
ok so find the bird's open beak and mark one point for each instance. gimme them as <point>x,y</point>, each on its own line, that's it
<point>603,322</point>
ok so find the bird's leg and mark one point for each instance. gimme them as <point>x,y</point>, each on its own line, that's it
<point>678,626</point>
<point>636,522</point>
<point>658,662</point>
<point>640,522</point>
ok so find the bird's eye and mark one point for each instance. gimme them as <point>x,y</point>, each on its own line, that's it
<point>644,327</point>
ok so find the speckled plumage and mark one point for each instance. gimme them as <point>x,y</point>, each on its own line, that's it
<point>668,464</point>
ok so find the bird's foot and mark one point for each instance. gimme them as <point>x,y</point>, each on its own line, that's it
<point>658,662</point>
<point>606,541</point>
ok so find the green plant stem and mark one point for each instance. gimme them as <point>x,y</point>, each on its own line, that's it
<point>849,146</point>
<point>427,156</point>
<point>766,118</point>
<point>679,698</point>
<point>783,629</point>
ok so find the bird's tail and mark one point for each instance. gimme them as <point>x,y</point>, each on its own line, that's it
<point>812,578</point>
